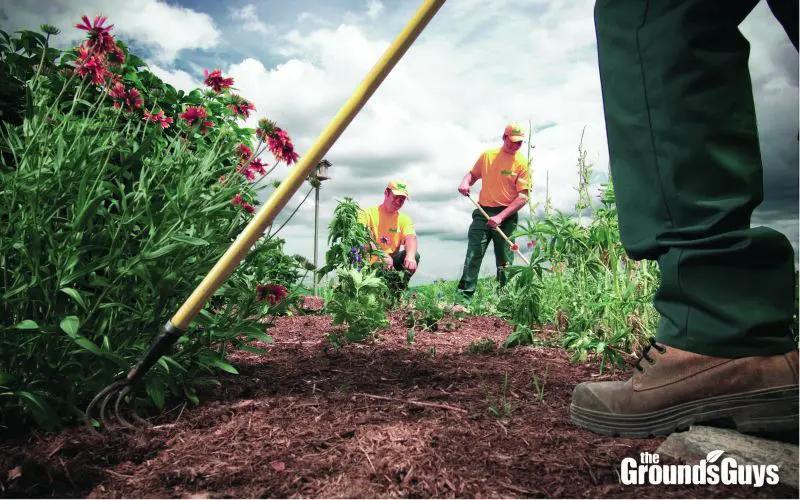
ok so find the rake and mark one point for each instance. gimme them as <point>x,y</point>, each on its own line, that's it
<point>124,388</point>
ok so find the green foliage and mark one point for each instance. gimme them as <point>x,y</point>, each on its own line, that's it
<point>107,223</point>
<point>359,301</point>
<point>426,311</point>
<point>482,347</point>
<point>349,243</point>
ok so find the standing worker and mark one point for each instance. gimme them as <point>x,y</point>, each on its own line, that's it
<point>505,184</point>
<point>685,159</point>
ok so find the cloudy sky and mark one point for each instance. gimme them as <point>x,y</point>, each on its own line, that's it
<point>471,71</point>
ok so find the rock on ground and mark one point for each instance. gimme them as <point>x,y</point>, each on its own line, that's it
<point>696,443</point>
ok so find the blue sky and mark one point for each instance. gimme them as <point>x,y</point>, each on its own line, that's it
<point>473,69</point>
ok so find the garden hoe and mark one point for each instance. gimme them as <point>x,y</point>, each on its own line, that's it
<point>180,322</point>
<point>512,245</point>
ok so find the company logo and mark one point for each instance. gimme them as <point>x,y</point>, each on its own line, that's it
<point>711,470</point>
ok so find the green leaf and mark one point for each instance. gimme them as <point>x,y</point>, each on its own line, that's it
<point>155,390</point>
<point>87,344</point>
<point>261,336</point>
<point>174,363</point>
<point>76,296</point>
<point>225,366</point>
<point>161,251</point>
<point>190,240</point>
<point>27,324</point>
<point>163,364</point>
<point>70,325</point>
<point>191,395</point>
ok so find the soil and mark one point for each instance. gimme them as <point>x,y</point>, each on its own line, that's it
<point>375,420</point>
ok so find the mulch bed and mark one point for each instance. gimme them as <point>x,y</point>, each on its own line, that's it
<point>384,419</point>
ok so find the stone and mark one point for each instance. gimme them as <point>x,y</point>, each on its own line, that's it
<point>696,443</point>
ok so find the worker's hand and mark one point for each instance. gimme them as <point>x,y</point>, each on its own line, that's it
<point>389,263</point>
<point>410,264</point>
<point>463,188</point>
<point>495,221</point>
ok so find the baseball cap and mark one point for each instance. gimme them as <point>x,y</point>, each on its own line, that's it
<point>398,188</point>
<point>514,132</point>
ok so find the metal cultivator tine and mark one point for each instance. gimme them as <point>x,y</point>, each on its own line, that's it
<point>125,388</point>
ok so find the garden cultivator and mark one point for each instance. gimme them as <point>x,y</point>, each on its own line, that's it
<point>124,388</point>
<point>513,246</point>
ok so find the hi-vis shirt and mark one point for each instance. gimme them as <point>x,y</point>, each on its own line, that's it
<point>389,230</point>
<point>503,176</point>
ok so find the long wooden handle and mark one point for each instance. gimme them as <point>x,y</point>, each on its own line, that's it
<point>510,243</point>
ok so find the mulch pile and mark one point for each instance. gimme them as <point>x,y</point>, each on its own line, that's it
<point>376,420</point>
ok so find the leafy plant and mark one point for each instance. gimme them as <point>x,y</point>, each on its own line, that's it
<point>119,194</point>
<point>426,311</point>
<point>500,407</point>
<point>481,347</point>
<point>359,302</point>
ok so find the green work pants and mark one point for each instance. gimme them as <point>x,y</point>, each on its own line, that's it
<point>478,239</point>
<point>397,263</point>
<point>686,168</point>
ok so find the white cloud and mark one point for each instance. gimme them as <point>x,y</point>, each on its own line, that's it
<point>450,96</point>
<point>374,8</point>
<point>163,28</point>
<point>181,80</point>
<point>250,21</point>
<point>470,72</point>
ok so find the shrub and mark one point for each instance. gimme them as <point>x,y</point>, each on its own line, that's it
<point>119,194</point>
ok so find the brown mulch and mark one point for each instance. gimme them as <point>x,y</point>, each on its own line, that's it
<point>383,419</point>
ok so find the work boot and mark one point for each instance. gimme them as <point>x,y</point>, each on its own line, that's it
<point>672,389</point>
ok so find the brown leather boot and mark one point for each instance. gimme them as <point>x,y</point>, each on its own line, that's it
<point>672,389</point>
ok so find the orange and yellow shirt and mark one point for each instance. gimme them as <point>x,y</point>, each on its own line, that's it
<point>503,176</point>
<point>388,229</point>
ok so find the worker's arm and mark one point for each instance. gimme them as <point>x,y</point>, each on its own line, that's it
<point>410,261</point>
<point>520,201</point>
<point>472,176</point>
<point>466,182</point>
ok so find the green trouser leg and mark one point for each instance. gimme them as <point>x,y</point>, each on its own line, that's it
<point>397,263</point>
<point>478,238</point>
<point>686,168</point>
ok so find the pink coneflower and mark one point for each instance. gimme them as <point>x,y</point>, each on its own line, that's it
<point>88,64</point>
<point>244,151</point>
<point>281,146</point>
<point>116,56</point>
<point>100,40</point>
<point>241,107</point>
<point>194,113</point>
<point>249,174</point>
<point>265,129</point>
<point>273,293</point>
<point>197,114</point>
<point>159,118</point>
<point>216,81</point>
<point>131,98</point>
<point>256,166</point>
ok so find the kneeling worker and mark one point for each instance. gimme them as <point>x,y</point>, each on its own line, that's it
<point>392,228</point>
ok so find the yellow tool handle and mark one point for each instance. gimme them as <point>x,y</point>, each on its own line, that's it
<point>498,229</point>
<point>264,217</point>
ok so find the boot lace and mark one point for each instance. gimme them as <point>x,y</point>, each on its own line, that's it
<point>645,350</point>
